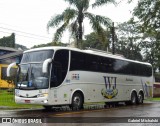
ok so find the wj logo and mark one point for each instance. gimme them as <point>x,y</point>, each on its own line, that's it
<point>110,91</point>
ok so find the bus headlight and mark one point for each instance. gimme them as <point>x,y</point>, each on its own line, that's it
<point>17,94</point>
<point>42,95</point>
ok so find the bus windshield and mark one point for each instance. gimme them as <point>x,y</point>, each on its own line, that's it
<point>30,75</point>
<point>37,56</point>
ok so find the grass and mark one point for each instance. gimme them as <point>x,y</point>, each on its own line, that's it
<point>158,99</point>
<point>154,99</point>
<point>7,101</point>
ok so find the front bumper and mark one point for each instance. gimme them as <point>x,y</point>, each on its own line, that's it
<point>38,100</point>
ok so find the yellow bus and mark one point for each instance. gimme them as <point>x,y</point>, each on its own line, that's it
<point>8,82</point>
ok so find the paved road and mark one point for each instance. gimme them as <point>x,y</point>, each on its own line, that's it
<point>92,115</point>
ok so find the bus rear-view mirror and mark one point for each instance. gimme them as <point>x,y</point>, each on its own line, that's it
<point>9,68</point>
<point>45,65</point>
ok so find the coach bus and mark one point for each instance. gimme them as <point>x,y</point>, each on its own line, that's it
<point>57,76</point>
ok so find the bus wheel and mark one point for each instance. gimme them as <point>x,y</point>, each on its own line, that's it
<point>47,107</point>
<point>77,101</point>
<point>133,98</point>
<point>140,98</point>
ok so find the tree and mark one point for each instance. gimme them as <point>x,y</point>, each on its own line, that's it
<point>50,44</point>
<point>148,13</point>
<point>129,40</point>
<point>8,41</point>
<point>21,47</point>
<point>73,19</point>
<point>151,47</point>
<point>92,41</point>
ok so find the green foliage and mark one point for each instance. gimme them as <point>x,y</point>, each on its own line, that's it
<point>72,18</point>
<point>148,12</point>
<point>8,41</point>
<point>157,77</point>
<point>50,44</point>
<point>129,40</point>
<point>92,40</point>
<point>18,46</point>
<point>102,2</point>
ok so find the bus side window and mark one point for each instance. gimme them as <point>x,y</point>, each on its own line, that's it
<point>56,74</point>
<point>110,65</point>
<point>77,61</point>
<point>59,67</point>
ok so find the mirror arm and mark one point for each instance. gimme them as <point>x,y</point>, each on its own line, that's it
<point>9,68</point>
<point>45,65</point>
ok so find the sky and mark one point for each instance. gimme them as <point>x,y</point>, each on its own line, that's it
<point>28,18</point>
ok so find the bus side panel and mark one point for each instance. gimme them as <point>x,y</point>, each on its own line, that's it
<point>100,87</point>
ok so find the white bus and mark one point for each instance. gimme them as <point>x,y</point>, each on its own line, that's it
<point>52,76</point>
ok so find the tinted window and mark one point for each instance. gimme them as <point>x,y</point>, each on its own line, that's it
<point>88,62</point>
<point>91,62</point>
<point>59,67</point>
<point>78,61</point>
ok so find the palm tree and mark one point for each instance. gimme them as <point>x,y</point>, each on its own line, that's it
<point>73,18</point>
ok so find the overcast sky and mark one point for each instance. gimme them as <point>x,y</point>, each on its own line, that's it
<point>28,18</point>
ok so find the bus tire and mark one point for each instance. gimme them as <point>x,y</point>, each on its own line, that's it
<point>77,101</point>
<point>133,98</point>
<point>140,98</point>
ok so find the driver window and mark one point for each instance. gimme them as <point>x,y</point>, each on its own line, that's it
<point>59,67</point>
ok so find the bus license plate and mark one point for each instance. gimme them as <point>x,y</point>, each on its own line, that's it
<point>27,101</point>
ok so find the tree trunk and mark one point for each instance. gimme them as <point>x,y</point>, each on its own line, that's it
<point>80,33</point>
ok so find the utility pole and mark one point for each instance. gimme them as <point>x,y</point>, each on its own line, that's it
<point>113,41</point>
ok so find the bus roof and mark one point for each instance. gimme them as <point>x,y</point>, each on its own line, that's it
<point>88,51</point>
